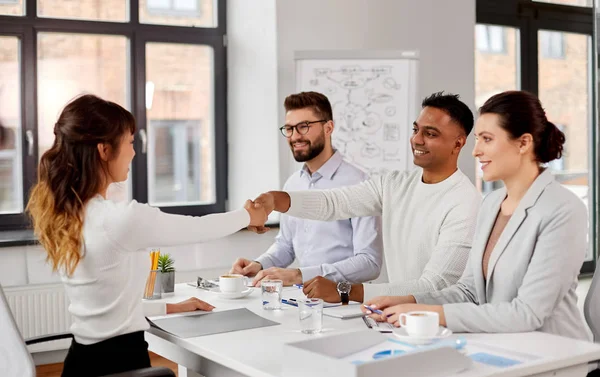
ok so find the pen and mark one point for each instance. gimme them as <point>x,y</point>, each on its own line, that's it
<point>299,286</point>
<point>289,302</point>
<point>377,311</point>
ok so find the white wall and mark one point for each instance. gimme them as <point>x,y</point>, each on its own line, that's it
<point>252,104</point>
<point>442,31</point>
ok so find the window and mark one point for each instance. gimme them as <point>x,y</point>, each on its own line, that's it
<point>106,10</point>
<point>11,178</point>
<point>176,90</point>
<point>553,59</point>
<point>11,7</point>
<point>183,7</point>
<point>489,38</point>
<point>202,13</point>
<point>551,44</point>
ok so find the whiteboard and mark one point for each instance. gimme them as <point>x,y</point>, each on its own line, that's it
<point>374,100</point>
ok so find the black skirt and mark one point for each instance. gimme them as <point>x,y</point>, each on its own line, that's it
<point>119,354</point>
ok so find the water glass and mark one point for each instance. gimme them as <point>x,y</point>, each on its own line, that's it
<point>311,315</point>
<point>271,294</point>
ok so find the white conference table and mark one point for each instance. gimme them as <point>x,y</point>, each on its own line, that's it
<point>258,352</point>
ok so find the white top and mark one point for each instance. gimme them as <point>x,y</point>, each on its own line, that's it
<point>105,291</point>
<point>427,228</point>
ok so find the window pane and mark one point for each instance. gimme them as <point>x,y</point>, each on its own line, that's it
<point>495,71</point>
<point>179,105</point>
<point>105,10</point>
<point>579,3</point>
<point>72,64</point>
<point>179,12</point>
<point>12,7</point>
<point>11,168</point>
<point>564,89</point>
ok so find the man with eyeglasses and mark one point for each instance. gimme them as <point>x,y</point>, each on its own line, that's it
<point>344,250</point>
<point>429,213</point>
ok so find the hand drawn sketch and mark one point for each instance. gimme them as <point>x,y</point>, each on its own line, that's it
<point>374,105</point>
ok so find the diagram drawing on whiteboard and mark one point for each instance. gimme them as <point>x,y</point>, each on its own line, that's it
<point>373,104</point>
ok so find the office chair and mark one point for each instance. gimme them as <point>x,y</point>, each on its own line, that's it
<point>15,359</point>
<point>591,310</point>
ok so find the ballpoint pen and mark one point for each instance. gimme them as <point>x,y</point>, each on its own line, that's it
<point>376,311</point>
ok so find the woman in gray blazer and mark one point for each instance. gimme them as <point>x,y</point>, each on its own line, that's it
<point>531,235</point>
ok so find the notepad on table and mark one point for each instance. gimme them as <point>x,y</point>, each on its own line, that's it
<point>344,311</point>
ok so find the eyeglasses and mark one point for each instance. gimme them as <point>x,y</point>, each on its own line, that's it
<point>302,128</point>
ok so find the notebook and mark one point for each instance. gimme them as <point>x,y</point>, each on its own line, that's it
<point>209,323</point>
<point>351,310</point>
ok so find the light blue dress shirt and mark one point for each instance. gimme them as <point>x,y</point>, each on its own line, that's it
<point>345,250</point>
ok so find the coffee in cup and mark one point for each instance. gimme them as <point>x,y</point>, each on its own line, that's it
<point>421,324</point>
<point>231,283</point>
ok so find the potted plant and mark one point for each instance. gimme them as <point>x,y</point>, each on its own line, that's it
<point>167,273</point>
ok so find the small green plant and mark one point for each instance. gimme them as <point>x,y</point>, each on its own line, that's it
<point>165,263</point>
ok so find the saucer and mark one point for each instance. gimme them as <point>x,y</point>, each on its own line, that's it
<point>233,296</point>
<point>403,334</point>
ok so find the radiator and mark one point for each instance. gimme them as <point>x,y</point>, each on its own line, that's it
<point>40,310</point>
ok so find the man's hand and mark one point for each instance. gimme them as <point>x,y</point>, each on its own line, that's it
<point>289,276</point>
<point>189,305</point>
<point>270,201</point>
<point>320,287</point>
<point>245,267</point>
<point>258,216</point>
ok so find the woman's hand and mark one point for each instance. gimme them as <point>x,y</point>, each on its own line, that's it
<point>189,305</point>
<point>258,216</point>
<point>382,302</point>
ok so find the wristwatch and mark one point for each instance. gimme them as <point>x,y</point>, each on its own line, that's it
<point>343,288</point>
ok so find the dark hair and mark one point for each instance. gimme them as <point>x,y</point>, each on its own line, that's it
<point>520,113</point>
<point>69,174</point>
<point>451,104</point>
<point>317,102</point>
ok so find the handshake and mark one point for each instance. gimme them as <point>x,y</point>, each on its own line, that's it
<point>261,207</point>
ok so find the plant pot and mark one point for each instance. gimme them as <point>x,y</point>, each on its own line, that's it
<point>167,281</point>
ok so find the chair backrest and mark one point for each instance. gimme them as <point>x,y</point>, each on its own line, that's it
<point>591,307</point>
<point>15,359</point>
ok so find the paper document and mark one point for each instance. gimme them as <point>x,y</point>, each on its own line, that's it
<point>344,311</point>
<point>209,323</point>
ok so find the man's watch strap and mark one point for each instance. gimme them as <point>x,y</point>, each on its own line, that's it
<point>345,298</point>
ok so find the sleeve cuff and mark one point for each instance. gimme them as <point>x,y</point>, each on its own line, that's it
<point>265,262</point>
<point>371,291</point>
<point>425,298</point>
<point>241,215</point>
<point>310,272</point>
<point>153,309</point>
<point>303,203</point>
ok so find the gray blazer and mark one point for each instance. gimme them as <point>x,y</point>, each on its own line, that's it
<point>532,271</point>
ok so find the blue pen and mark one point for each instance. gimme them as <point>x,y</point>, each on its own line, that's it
<point>299,286</point>
<point>376,311</point>
<point>289,302</point>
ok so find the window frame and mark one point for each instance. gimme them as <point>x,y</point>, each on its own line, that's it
<point>529,17</point>
<point>26,28</point>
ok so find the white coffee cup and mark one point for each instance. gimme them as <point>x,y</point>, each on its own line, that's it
<point>420,323</point>
<point>232,283</point>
